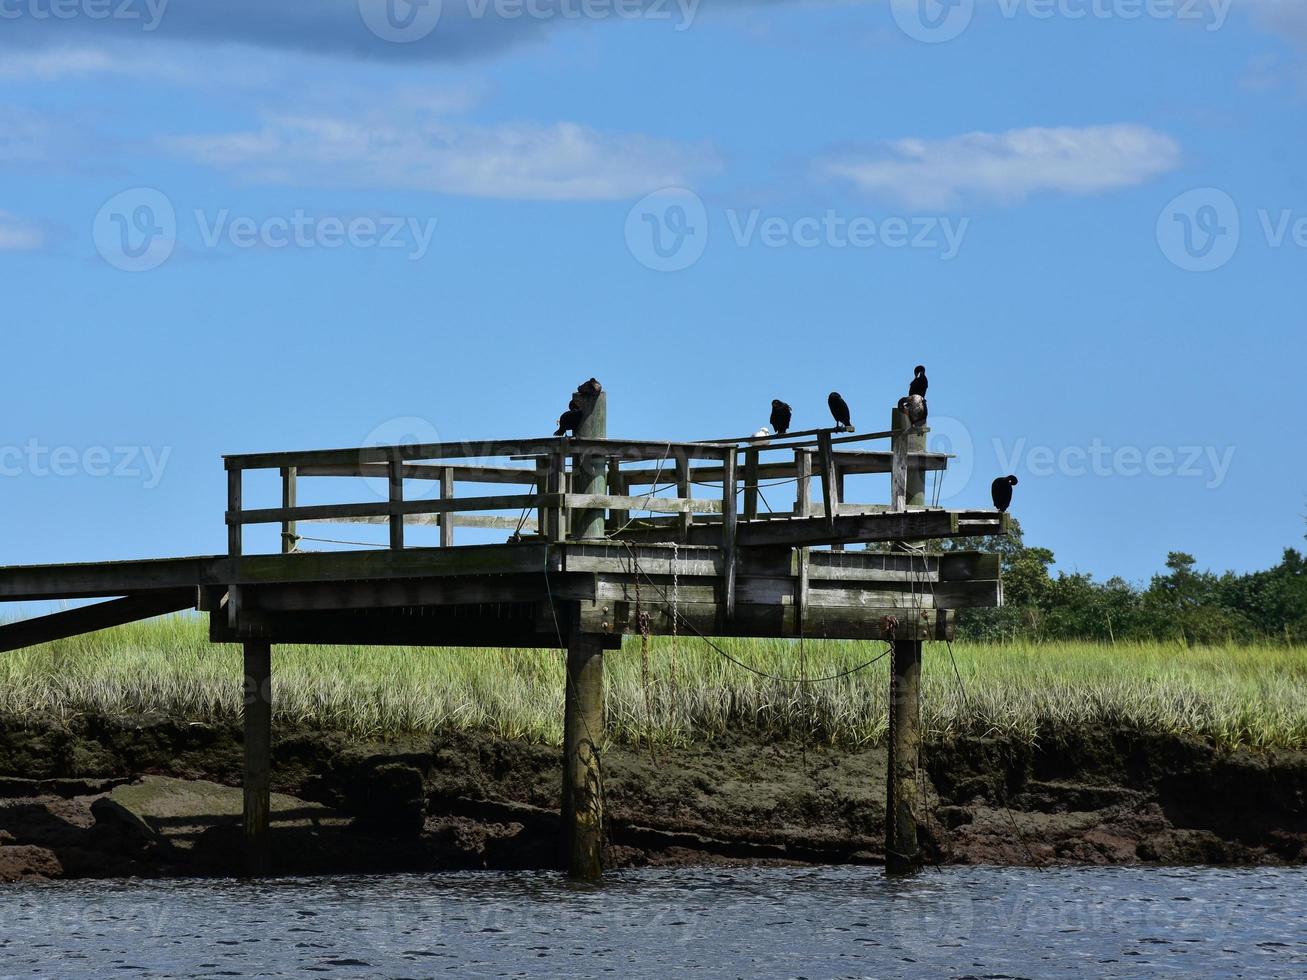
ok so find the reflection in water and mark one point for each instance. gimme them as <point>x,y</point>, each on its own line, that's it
<point>828,922</point>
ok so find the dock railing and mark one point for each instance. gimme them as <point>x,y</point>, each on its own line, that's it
<point>640,477</point>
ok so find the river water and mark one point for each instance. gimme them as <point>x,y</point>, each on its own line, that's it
<point>826,922</point>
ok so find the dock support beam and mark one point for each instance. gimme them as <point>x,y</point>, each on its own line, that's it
<point>902,852</point>
<point>258,755</point>
<point>583,734</point>
<point>589,471</point>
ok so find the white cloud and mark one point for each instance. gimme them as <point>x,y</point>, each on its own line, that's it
<point>18,235</point>
<point>424,150</point>
<point>1007,166</point>
<point>50,64</point>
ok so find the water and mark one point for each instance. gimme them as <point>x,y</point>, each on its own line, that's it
<point>829,922</point>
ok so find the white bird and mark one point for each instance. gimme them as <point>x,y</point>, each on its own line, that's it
<point>764,433</point>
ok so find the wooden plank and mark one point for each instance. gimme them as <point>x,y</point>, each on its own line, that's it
<point>257,781</point>
<point>826,622</point>
<point>434,520</point>
<point>911,526</point>
<point>802,508</point>
<point>519,475</point>
<point>616,486</point>
<point>331,566</point>
<point>275,515</point>
<point>627,449</point>
<point>849,462</point>
<point>414,593</point>
<point>447,521</point>
<point>93,580</point>
<point>657,505</point>
<point>89,619</point>
<point>395,479</point>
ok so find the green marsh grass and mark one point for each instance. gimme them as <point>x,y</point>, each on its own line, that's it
<point>1234,696</point>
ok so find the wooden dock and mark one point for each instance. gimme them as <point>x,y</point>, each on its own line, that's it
<point>603,539</point>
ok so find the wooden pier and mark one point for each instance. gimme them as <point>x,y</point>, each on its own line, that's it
<point>603,539</point>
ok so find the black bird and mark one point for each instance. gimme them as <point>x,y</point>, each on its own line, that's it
<point>914,407</point>
<point>1001,491</point>
<point>591,387</point>
<point>780,416</point>
<point>569,420</point>
<point>839,408</point>
<point>919,382</point>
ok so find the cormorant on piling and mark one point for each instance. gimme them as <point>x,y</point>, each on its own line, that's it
<point>1001,491</point>
<point>914,407</point>
<point>780,416</point>
<point>919,382</point>
<point>591,387</point>
<point>839,408</point>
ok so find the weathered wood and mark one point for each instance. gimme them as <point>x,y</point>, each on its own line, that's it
<point>902,852</point>
<point>684,490</point>
<point>519,475</point>
<point>802,508</point>
<point>89,619</point>
<point>583,739</point>
<point>334,566</point>
<point>798,531</point>
<point>274,515</point>
<point>729,531</point>
<point>433,520</point>
<point>829,489</point>
<point>234,481</point>
<point>633,450</point>
<point>396,484</point>
<point>656,505</point>
<point>94,580</point>
<point>406,593</point>
<point>589,469</point>
<point>289,531</point>
<point>750,484</point>
<point>870,462</point>
<point>257,782</point>
<point>616,487</point>
<point>830,622</point>
<point>447,520</point>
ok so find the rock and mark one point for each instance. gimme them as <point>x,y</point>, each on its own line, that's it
<point>174,812</point>
<point>26,862</point>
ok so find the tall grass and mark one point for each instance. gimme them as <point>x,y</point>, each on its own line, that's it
<point>1249,696</point>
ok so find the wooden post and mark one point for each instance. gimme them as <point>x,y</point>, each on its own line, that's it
<point>617,485</point>
<point>395,473</point>
<point>802,508</point>
<point>829,487</point>
<point>583,735</point>
<point>750,484</point>
<point>289,529</point>
<point>684,490</point>
<point>902,852</point>
<point>728,528</point>
<point>233,511</point>
<point>447,518</point>
<point>588,474</point>
<point>258,754</point>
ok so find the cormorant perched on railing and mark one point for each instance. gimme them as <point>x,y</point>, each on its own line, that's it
<point>1001,491</point>
<point>914,407</point>
<point>919,382</point>
<point>780,416</point>
<point>839,408</point>
<point>569,420</point>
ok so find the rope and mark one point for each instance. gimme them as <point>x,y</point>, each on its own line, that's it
<point>360,544</point>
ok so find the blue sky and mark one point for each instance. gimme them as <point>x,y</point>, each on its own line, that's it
<point>1087,217</point>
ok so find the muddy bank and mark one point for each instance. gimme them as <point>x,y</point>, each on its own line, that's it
<point>157,797</point>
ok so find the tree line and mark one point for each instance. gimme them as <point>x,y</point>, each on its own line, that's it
<point>1181,603</point>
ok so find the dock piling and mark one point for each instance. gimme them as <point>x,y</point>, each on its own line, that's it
<point>258,755</point>
<point>583,734</point>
